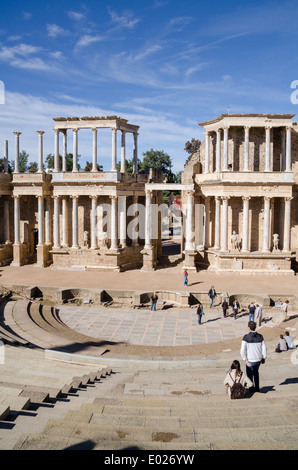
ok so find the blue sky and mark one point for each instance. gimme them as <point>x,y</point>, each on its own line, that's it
<point>163,65</point>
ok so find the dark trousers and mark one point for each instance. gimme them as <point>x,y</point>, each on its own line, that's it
<point>252,373</point>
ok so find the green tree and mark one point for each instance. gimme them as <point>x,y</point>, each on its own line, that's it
<point>128,165</point>
<point>159,160</point>
<point>32,167</point>
<point>192,146</point>
<point>88,167</point>
<point>69,161</point>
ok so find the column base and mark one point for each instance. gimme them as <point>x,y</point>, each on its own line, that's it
<point>43,256</point>
<point>149,259</point>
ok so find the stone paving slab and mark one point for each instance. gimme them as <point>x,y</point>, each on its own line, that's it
<point>171,327</point>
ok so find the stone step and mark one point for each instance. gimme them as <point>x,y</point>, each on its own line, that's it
<point>4,412</point>
<point>210,437</point>
<point>15,403</point>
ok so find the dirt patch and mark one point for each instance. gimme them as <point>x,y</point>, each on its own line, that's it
<point>164,436</point>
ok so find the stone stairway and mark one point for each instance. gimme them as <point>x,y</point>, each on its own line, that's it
<point>180,410</point>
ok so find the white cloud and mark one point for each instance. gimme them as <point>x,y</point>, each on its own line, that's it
<point>75,15</point>
<point>87,39</point>
<point>126,20</point>
<point>54,30</point>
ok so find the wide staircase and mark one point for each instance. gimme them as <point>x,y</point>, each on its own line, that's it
<point>54,405</point>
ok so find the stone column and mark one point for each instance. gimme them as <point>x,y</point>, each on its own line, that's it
<point>246,148</point>
<point>268,150</point>
<point>283,150</point>
<point>207,222</point>
<point>93,222</point>
<point>287,225</point>
<point>94,150</point>
<point>206,170</point>
<point>114,149</point>
<point>218,151</point>
<point>217,223</point>
<point>288,150</point>
<point>40,151</point>
<point>189,242</point>
<point>6,221</point>
<point>224,223</point>
<point>56,153</point>
<point>114,222</point>
<point>123,151</point>
<point>135,152</point>
<point>135,241</point>
<point>245,223</point>
<point>47,221</point>
<point>226,149</point>
<point>64,222</point>
<point>148,243</point>
<point>40,220</point>
<point>266,227</point>
<point>5,156</point>
<point>75,150</point>
<point>122,220</point>
<point>75,225</point>
<point>56,222</point>
<point>17,220</point>
<point>17,152</point>
<point>64,156</point>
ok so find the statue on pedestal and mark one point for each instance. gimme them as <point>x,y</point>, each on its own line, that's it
<point>275,241</point>
<point>235,241</point>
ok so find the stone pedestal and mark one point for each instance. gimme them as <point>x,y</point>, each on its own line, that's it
<point>190,260</point>
<point>149,259</point>
<point>43,256</point>
<point>19,254</point>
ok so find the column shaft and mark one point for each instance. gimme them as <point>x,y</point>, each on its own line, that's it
<point>217,223</point>
<point>189,243</point>
<point>75,243</point>
<point>246,149</point>
<point>135,153</point>
<point>64,222</point>
<point>93,222</point>
<point>287,224</point>
<point>226,149</point>
<point>245,224</point>
<point>224,224</point>
<point>56,222</point>
<point>64,157</point>
<point>17,152</point>
<point>75,150</point>
<point>40,151</point>
<point>17,220</point>
<point>114,149</point>
<point>114,222</point>
<point>218,151</point>
<point>206,170</point>
<point>6,221</point>
<point>123,151</point>
<point>268,150</point>
<point>94,150</point>
<point>40,220</point>
<point>266,227</point>
<point>122,220</point>
<point>56,153</point>
<point>288,150</point>
<point>148,220</point>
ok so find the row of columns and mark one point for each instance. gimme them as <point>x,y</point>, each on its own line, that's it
<point>95,150</point>
<point>221,223</point>
<point>75,151</point>
<point>286,160</point>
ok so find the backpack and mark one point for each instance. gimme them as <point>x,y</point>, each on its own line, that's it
<point>237,389</point>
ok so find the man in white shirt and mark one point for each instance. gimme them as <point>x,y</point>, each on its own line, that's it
<point>259,314</point>
<point>253,352</point>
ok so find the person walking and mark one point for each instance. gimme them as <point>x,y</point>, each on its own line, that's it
<point>253,352</point>
<point>259,314</point>
<point>236,375</point>
<point>236,307</point>
<point>225,308</point>
<point>185,277</point>
<point>154,299</point>
<point>200,313</point>
<point>251,311</point>
<point>284,309</point>
<point>212,294</point>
